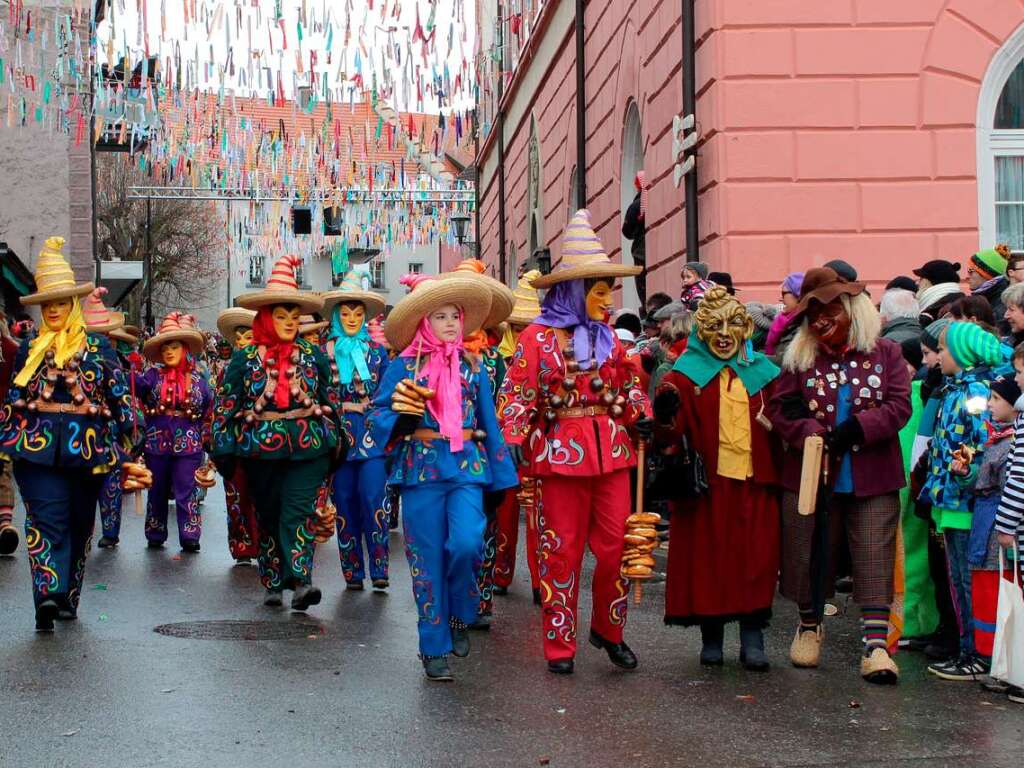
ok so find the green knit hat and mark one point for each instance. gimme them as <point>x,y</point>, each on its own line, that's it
<point>971,345</point>
<point>991,261</point>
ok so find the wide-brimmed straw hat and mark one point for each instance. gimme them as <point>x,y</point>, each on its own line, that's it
<point>502,299</point>
<point>351,289</point>
<point>126,333</point>
<point>177,326</point>
<point>283,288</point>
<point>583,256</point>
<point>309,324</point>
<point>428,294</point>
<point>824,285</point>
<point>527,305</point>
<point>231,319</point>
<point>54,276</point>
<point>98,317</point>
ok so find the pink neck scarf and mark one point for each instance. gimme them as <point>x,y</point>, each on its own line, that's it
<point>443,360</point>
<point>176,382</point>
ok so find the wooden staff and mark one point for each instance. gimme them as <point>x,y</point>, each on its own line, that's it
<point>638,589</point>
<point>419,355</point>
<point>135,434</point>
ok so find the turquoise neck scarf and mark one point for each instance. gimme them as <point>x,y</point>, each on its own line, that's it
<point>349,351</point>
<point>700,366</point>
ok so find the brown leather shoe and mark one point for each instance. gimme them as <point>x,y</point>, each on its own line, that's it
<point>806,648</point>
<point>879,668</point>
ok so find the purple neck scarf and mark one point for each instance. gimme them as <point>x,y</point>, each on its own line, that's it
<point>565,306</point>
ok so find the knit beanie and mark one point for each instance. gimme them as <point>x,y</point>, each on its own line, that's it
<point>793,282</point>
<point>971,345</point>
<point>930,335</point>
<point>842,268</point>
<point>701,270</point>
<point>912,352</point>
<point>990,261</point>
<point>1006,388</point>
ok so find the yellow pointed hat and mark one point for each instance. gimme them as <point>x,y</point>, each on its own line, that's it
<point>54,276</point>
<point>583,256</point>
<point>527,300</point>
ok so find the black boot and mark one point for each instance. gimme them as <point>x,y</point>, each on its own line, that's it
<point>460,639</point>
<point>482,623</point>
<point>496,590</point>
<point>273,599</point>
<point>155,544</point>
<point>305,596</point>
<point>190,546</point>
<point>561,666</point>
<point>536,597</point>
<point>712,635</point>
<point>107,542</point>
<point>752,655</point>
<point>46,612</point>
<point>618,653</point>
<point>436,669</point>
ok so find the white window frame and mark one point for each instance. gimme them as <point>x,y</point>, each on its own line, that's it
<point>993,143</point>
<point>377,265</point>
<point>415,267</point>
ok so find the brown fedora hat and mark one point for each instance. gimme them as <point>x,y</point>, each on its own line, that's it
<point>824,285</point>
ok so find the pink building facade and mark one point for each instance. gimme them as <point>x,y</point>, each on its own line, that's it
<point>882,132</point>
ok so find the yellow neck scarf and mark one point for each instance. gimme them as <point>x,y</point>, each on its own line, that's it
<point>507,347</point>
<point>65,343</point>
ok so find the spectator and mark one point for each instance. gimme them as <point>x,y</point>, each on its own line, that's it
<point>628,320</point>
<point>900,311</point>
<point>783,328</point>
<point>634,227</point>
<point>904,282</point>
<point>626,337</point>
<point>763,315</point>
<point>842,268</point>
<point>656,301</point>
<point>1015,268</point>
<point>938,286</point>
<point>723,279</point>
<point>986,275</point>
<point>695,283</point>
<point>673,341</point>
<point>1013,300</point>
<point>973,309</point>
<point>664,315</point>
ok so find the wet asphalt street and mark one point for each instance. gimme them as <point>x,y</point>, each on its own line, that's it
<point>349,691</point>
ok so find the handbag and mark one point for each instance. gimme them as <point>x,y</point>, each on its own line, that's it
<point>1008,646</point>
<point>677,475</point>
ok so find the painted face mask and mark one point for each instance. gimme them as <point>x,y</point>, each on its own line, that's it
<point>172,353</point>
<point>599,301</point>
<point>830,323</point>
<point>723,324</point>
<point>352,317</point>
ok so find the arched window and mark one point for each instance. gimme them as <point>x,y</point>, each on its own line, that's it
<point>572,202</point>
<point>632,162</point>
<point>1001,148</point>
<point>534,192</point>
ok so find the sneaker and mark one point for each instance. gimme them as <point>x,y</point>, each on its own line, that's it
<point>943,665</point>
<point>436,669</point>
<point>967,669</point>
<point>1015,694</point>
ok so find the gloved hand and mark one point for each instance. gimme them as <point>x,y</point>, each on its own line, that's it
<point>517,455</point>
<point>795,407</point>
<point>644,428</point>
<point>405,425</point>
<point>226,465</point>
<point>666,404</point>
<point>841,439</point>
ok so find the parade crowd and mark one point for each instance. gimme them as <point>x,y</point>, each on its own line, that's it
<point>834,441</point>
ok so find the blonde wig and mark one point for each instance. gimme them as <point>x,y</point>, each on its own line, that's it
<point>865,328</point>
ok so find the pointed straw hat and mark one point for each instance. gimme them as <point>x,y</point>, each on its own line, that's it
<point>98,318</point>
<point>283,288</point>
<point>233,318</point>
<point>309,324</point>
<point>502,299</point>
<point>351,289</point>
<point>429,293</point>
<point>126,333</point>
<point>583,256</point>
<point>177,326</point>
<point>527,300</point>
<point>54,276</point>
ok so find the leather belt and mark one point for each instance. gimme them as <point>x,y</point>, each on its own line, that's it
<point>355,407</point>
<point>83,409</point>
<point>172,413</point>
<point>426,435</point>
<point>298,413</point>
<point>580,412</point>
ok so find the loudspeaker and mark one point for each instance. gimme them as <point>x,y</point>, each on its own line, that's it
<point>302,221</point>
<point>333,219</point>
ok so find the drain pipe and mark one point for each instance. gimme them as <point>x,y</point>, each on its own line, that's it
<point>581,109</point>
<point>501,198</point>
<point>690,108</point>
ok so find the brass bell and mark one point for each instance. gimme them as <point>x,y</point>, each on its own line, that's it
<point>78,356</point>
<point>50,354</point>
<point>569,382</point>
<point>47,396</point>
<point>290,370</point>
<point>572,366</point>
<point>249,418</point>
<point>327,409</point>
<point>70,381</point>
<point>616,411</point>
<point>295,356</point>
<point>295,392</point>
<point>550,415</point>
<point>620,400</point>
<point>608,398</point>
<point>19,403</point>
<point>569,353</point>
<point>318,412</point>
<point>479,435</point>
<point>106,413</point>
<point>272,373</point>
<point>73,365</point>
<point>307,403</point>
<point>258,407</point>
<point>557,401</point>
<point>51,378</point>
<point>596,384</point>
<point>93,410</point>
<point>79,398</point>
<point>32,406</point>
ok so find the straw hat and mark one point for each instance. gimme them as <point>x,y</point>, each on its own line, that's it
<point>233,318</point>
<point>54,277</point>
<point>527,305</point>
<point>98,318</point>
<point>583,256</point>
<point>351,289</point>
<point>823,285</point>
<point>126,333</point>
<point>177,326</point>
<point>428,294</point>
<point>309,324</point>
<point>282,288</point>
<point>502,299</point>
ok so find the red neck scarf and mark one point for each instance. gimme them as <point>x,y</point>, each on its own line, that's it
<point>278,353</point>
<point>176,382</point>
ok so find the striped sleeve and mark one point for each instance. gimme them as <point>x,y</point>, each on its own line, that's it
<point>1010,515</point>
